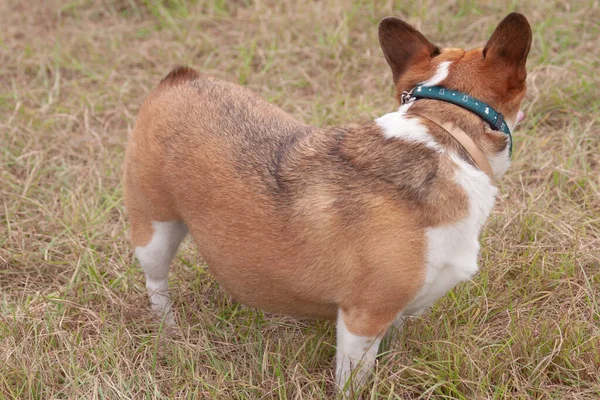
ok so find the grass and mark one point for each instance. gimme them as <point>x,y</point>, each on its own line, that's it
<point>74,319</point>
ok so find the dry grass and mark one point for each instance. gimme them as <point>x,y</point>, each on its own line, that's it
<point>73,308</point>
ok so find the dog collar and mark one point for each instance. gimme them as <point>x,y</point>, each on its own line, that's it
<point>476,106</point>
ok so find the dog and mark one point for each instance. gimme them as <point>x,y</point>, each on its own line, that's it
<point>365,223</point>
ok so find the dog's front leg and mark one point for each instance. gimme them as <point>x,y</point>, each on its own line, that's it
<point>356,350</point>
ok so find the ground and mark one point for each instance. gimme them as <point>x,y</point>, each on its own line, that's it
<point>74,319</point>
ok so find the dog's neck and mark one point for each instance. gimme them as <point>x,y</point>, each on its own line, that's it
<point>467,143</point>
<point>483,110</point>
<point>493,144</point>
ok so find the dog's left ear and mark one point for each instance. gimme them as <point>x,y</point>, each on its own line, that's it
<point>403,45</point>
<point>509,46</point>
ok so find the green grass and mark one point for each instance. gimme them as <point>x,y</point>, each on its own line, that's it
<point>74,319</point>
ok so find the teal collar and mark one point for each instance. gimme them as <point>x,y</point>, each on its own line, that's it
<point>476,106</point>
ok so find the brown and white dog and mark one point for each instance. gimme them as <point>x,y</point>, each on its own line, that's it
<point>363,223</point>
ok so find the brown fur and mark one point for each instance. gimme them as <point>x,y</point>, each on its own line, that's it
<point>294,219</point>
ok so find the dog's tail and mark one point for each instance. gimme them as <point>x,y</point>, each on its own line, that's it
<point>179,75</point>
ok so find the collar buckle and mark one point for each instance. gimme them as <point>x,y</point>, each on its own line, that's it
<point>405,97</point>
<point>499,123</point>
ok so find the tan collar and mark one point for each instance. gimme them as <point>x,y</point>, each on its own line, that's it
<point>465,141</point>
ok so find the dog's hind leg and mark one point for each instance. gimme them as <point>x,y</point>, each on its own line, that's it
<point>155,256</point>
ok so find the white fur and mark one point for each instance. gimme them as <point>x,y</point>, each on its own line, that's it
<point>155,258</point>
<point>440,74</point>
<point>452,250</point>
<point>398,125</point>
<point>354,353</point>
<point>500,162</point>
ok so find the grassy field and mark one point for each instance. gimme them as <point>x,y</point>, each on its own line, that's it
<point>74,320</point>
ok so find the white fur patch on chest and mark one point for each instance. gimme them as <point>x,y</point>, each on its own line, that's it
<point>452,250</point>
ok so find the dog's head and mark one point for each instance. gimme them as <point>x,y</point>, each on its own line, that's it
<point>495,73</point>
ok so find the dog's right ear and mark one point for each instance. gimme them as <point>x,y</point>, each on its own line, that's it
<point>403,45</point>
<point>509,46</point>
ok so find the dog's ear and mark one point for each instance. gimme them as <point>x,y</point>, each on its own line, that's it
<point>509,46</point>
<point>403,45</point>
